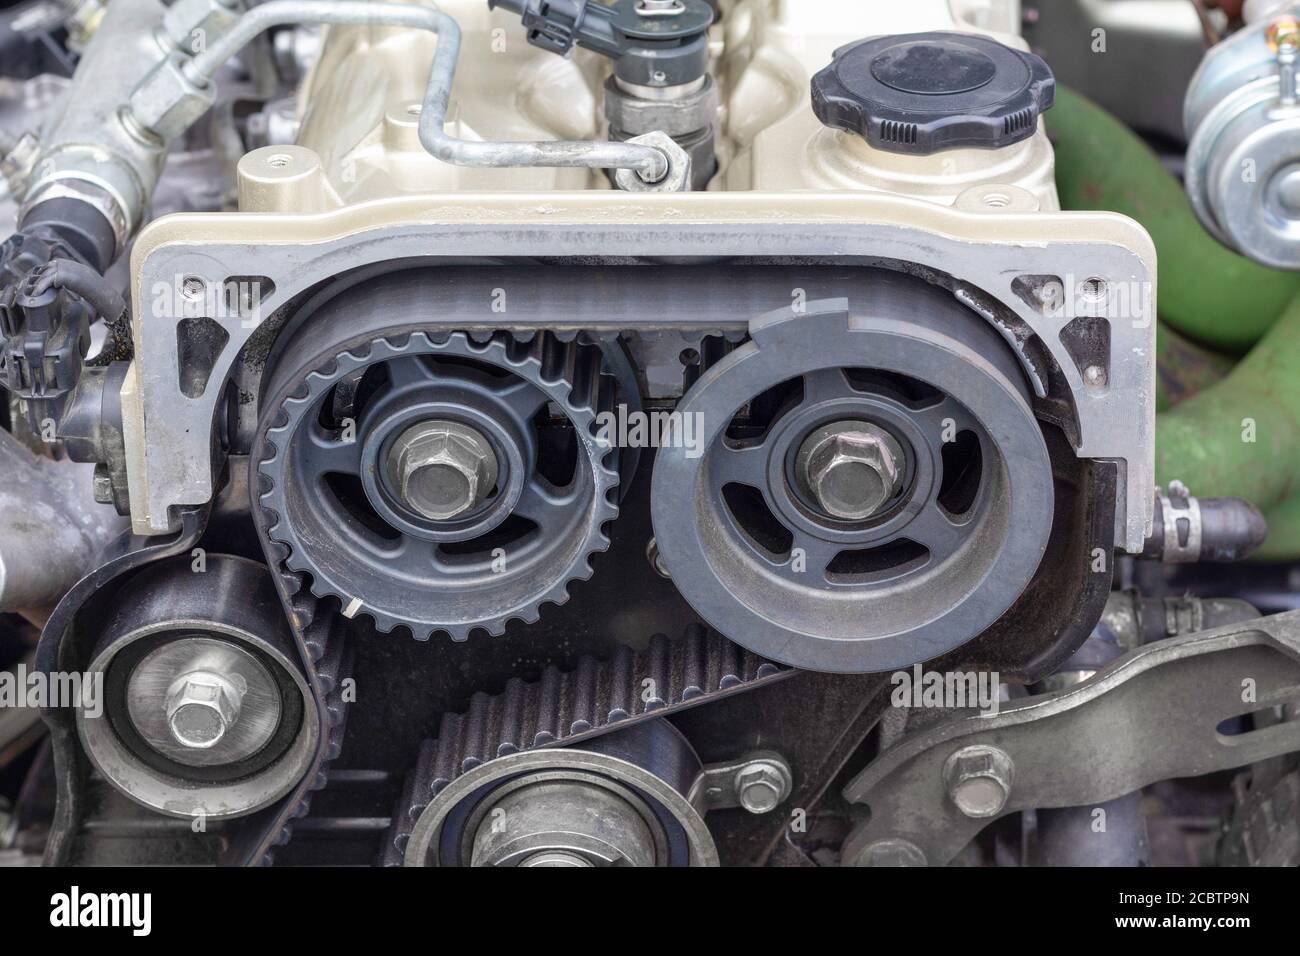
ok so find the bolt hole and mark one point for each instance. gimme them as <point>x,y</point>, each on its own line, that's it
<point>689,357</point>
<point>279,161</point>
<point>1093,289</point>
<point>997,200</point>
<point>756,520</point>
<point>963,473</point>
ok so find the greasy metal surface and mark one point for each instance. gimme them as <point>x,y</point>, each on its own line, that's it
<point>86,143</point>
<point>1130,725</point>
<point>51,530</point>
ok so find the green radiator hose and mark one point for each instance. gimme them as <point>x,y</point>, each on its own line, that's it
<point>1241,437</point>
<point>1283,541</point>
<point>1184,368</point>
<point>1205,291</point>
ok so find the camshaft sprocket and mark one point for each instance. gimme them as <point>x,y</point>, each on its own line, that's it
<point>325,460</point>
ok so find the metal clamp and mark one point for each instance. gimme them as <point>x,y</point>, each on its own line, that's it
<point>1182,523</point>
<point>759,782</point>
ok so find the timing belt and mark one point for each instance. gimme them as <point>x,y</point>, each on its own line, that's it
<point>564,707</point>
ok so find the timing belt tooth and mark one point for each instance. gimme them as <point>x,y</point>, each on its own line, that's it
<point>622,693</point>
<point>443,754</point>
<point>549,697</point>
<point>585,678</point>
<point>512,705</point>
<point>476,730</point>
<point>659,665</point>
<point>695,670</point>
<point>566,707</point>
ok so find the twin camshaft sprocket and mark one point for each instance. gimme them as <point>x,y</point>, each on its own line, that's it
<point>868,486</point>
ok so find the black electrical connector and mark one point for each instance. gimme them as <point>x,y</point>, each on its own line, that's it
<point>33,41</point>
<point>651,43</point>
<point>47,335</point>
<point>51,289</point>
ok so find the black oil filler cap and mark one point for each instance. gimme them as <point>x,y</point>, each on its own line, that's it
<point>925,92</point>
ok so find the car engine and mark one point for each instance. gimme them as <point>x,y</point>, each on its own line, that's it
<point>649,433</point>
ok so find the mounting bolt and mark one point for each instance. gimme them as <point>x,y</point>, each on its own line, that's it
<point>441,469</point>
<point>852,469</point>
<point>202,706</point>
<point>762,784</point>
<point>656,559</point>
<point>102,483</point>
<point>979,780</point>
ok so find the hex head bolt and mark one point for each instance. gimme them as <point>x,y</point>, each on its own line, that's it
<point>442,469</point>
<point>202,706</point>
<point>979,780</point>
<point>851,469</point>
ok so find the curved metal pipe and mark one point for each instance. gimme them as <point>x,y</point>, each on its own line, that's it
<point>651,164</point>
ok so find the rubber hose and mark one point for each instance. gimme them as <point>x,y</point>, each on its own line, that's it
<point>1283,541</point>
<point>1205,290</point>
<point>84,281</point>
<point>1241,437</point>
<point>1184,368</point>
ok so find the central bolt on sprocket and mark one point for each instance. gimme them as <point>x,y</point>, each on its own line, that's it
<point>332,443</point>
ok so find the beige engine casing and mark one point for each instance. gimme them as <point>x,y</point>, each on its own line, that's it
<point>359,106</point>
<point>356,188</point>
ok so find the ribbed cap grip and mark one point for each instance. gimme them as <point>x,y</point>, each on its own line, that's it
<point>925,92</point>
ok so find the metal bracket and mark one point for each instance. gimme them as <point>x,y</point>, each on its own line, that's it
<point>758,783</point>
<point>1117,422</point>
<point>1182,524</point>
<point>1164,710</point>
